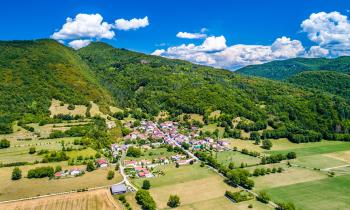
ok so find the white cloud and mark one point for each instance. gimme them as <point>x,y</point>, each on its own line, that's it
<point>317,51</point>
<point>85,26</point>
<point>204,30</point>
<point>77,44</point>
<point>158,52</point>
<point>213,51</point>
<point>186,35</point>
<point>134,23</point>
<point>330,31</point>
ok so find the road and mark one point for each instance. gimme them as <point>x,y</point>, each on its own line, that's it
<point>122,172</point>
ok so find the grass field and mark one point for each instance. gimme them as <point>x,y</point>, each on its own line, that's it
<point>318,161</point>
<point>244,144</point>
<point>84,153</point>
<point>312,148</point>
<point>227,157</point>
<point>289,176</point>
<point>56,109</point>
<point>153,154</point>
<point>32,187</point>
<point>192,183</point>
<point>325,194</point>
<point>178,175</point>
<point>92,200</point>
<point>212,127</point>
<point>223,203</point>
<point>342,156</point>
<point>19,149</point>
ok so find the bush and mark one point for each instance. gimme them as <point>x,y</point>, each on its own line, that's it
<point>90,166</point>
<point>263,197</point>
<point>146,185</point>
<point>40,172</point>
<point>144,198</point>
<point>174,201</point>
<point>32,150</point>
<point>266,144</point>
<point>16,174</point>
<point>285,206</point>
<point>58,168</point>
<point>110,175</point>
<point>133,152</point>
<point>4,143</point>
<point>239,196</point>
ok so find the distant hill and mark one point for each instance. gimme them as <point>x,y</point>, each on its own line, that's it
<point>328,81</point>
<point>280,70</point>
<point>34,72</point>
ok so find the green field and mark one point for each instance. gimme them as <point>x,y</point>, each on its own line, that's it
<point>227,157</point>
<point>212,127</point>
<point>18,151</point>
<point>153,154</point>
<point>318,161</point>
<point>178,175</point>
<point>315,148</point>
<point>84,153</point>
<point>325,194</point>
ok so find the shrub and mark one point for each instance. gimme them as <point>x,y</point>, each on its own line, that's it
<point>133,152</point>
<point>90,166</point>
<point>267,144</point>
<point>263,197</point>
<point>4,143</point>
<point>16,174</point>
<point>174,201</point>
<point>239,196</point>
<point>146,185</point>
<point>144,198</point>
<point>32,150</point>
<point>40,172</point>
<point>110,175</point>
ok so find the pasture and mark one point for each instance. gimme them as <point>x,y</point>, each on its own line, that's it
<point>212,127</point>
<point>305,149</point>
<point>318,161</point>
<point>324,194</point>
<point>244,144</point>
<point>56,109</point>
<point>153,154</point>
<point>25,187</point>
<point>91,200</point>
<point>227,157</point>
<point>18,151</point>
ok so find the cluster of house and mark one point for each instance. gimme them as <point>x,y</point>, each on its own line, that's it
<point>67,173</point>
<point>209,143</point>
<point>140,167</point>
<point>147,129</point>
<point>181,159</point>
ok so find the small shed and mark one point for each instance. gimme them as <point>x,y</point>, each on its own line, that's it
<point>118,189</point>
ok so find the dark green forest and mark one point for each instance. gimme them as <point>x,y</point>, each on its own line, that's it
<point>328,81</point>
<point>283,69</point>
<point>34,72</point>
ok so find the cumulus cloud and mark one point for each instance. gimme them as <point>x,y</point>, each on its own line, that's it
<point>134,23</point>
<point>186,35</point>
<point>330,31</point>
<point>158,52</point>
<point>214,51</point>
<point>317,52</point>
<point>85,26</point>
<point>77,44</point>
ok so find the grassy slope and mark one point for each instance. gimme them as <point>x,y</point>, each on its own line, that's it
<point>284,69</point>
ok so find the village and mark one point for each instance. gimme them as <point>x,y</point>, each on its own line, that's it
<point>154,135</point>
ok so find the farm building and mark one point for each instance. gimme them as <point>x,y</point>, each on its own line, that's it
<point>102,163</point>
<point>118,189</point>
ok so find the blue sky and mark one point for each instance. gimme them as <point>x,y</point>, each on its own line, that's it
<point>248,23</point>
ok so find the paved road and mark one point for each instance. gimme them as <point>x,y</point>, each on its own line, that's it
<point>122,172</point>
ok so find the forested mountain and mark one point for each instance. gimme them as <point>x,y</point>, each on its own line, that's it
<point>155,83</point>
<point>328,81</point>
<point>34,72</point>
<point>279,70</point>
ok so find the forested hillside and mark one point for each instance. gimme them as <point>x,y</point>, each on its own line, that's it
<point>328,81</point>
<point>34,72</point>
<point>279,70</point>
<point>154,84</point>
